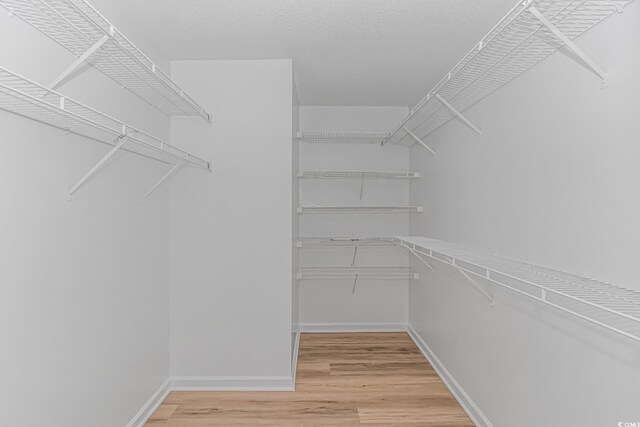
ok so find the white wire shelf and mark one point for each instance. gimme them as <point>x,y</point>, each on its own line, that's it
<point>357,175</point>
<point>81,29</point>
<point>345,273</point>
<point>329,242</point>
<point>358,209</point>
<point>609,306</point>
<point>518,42</point>
<point>26,98</point>
<point>343,137</point>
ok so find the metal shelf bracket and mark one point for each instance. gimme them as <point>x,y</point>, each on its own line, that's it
<point>418,140</point>
<point>586,61</point>
<point>459,114</point>
<point>417,255</point>
<point>119,142</point>
<point>164,178</point>
<point>78,62</point>
<point>475,284</point>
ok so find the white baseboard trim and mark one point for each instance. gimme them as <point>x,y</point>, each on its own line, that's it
<point>469,406</point>
<point>294,362</point>
<point>352,327</point>
<point>194,383</point>
<point>151,405</point>
<point>264,383</point>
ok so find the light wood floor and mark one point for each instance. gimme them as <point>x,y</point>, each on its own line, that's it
<point>342,379</point>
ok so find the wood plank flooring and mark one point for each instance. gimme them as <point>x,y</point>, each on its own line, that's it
<point>380,379</point>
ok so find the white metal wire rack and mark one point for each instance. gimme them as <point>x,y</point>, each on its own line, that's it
<point>357,175</point>
<point>345,273</point>
<point>330,242</point>
<point>358,209</point>
<point>26,98</point>
<point>609,306</point>
<point>530,32</point>
<point>82,30</point>
<point>343,137</point>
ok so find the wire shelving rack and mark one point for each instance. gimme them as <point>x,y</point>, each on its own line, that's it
<point>81,29</point>
<point>357,175</point>
<point>343,137</point>
<point>530,32</point>
<point>345,273</point>
<point>609,306</point>
<point>340,242</point>
<point>358,209</point>
<point>28,99</point>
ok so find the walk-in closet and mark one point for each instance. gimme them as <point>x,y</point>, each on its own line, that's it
<point>319,213</point>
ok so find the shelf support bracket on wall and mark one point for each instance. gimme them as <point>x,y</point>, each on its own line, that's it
<point>355,254</point>
<point>591,65</point>
<point>355,281</point>
<point>418,140</point>
<point>459,114</point>
<point>120,141</point>
<point>417,255</point>
<point>362,186</point>
<point>165,177</point>
<point>78,62</point>
<point>474,283</point>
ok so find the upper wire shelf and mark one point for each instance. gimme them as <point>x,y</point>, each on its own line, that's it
<point>338,273</point>
<point>357,175</point>
<point>325,242</point>
<point>26,98</point>
<point>343,137</point>
<point>357,209</point>
<point>609,306</point>
<point>81,29</point>
<point>518,42</point>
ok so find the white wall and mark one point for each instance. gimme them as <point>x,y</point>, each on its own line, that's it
<point>295,225</point>
<point>331,302</point>
<point>231,230</point>
<point>552,181</point>
<point>84,300</point>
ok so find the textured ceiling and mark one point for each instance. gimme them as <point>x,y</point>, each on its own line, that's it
<point>345,52</point>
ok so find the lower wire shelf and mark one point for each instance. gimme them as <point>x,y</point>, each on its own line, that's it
<point>343,137</point>
<point>609,306</point>
<point>338,273</point>
<point>358,209</point>
<point>329,242</point>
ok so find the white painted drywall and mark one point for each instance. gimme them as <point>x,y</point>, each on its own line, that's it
<point>295,224</point>
<point>231,230</point>
<point>552,181</point>
<point>84,294</point>
<point>332,302</point>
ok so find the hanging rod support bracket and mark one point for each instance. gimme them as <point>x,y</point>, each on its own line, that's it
<point>78,62</point>
<point>120,141</point>
<point>164,178</point>
<point>418,140</point>
<point>590,64</point>
<point>459,114</point>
